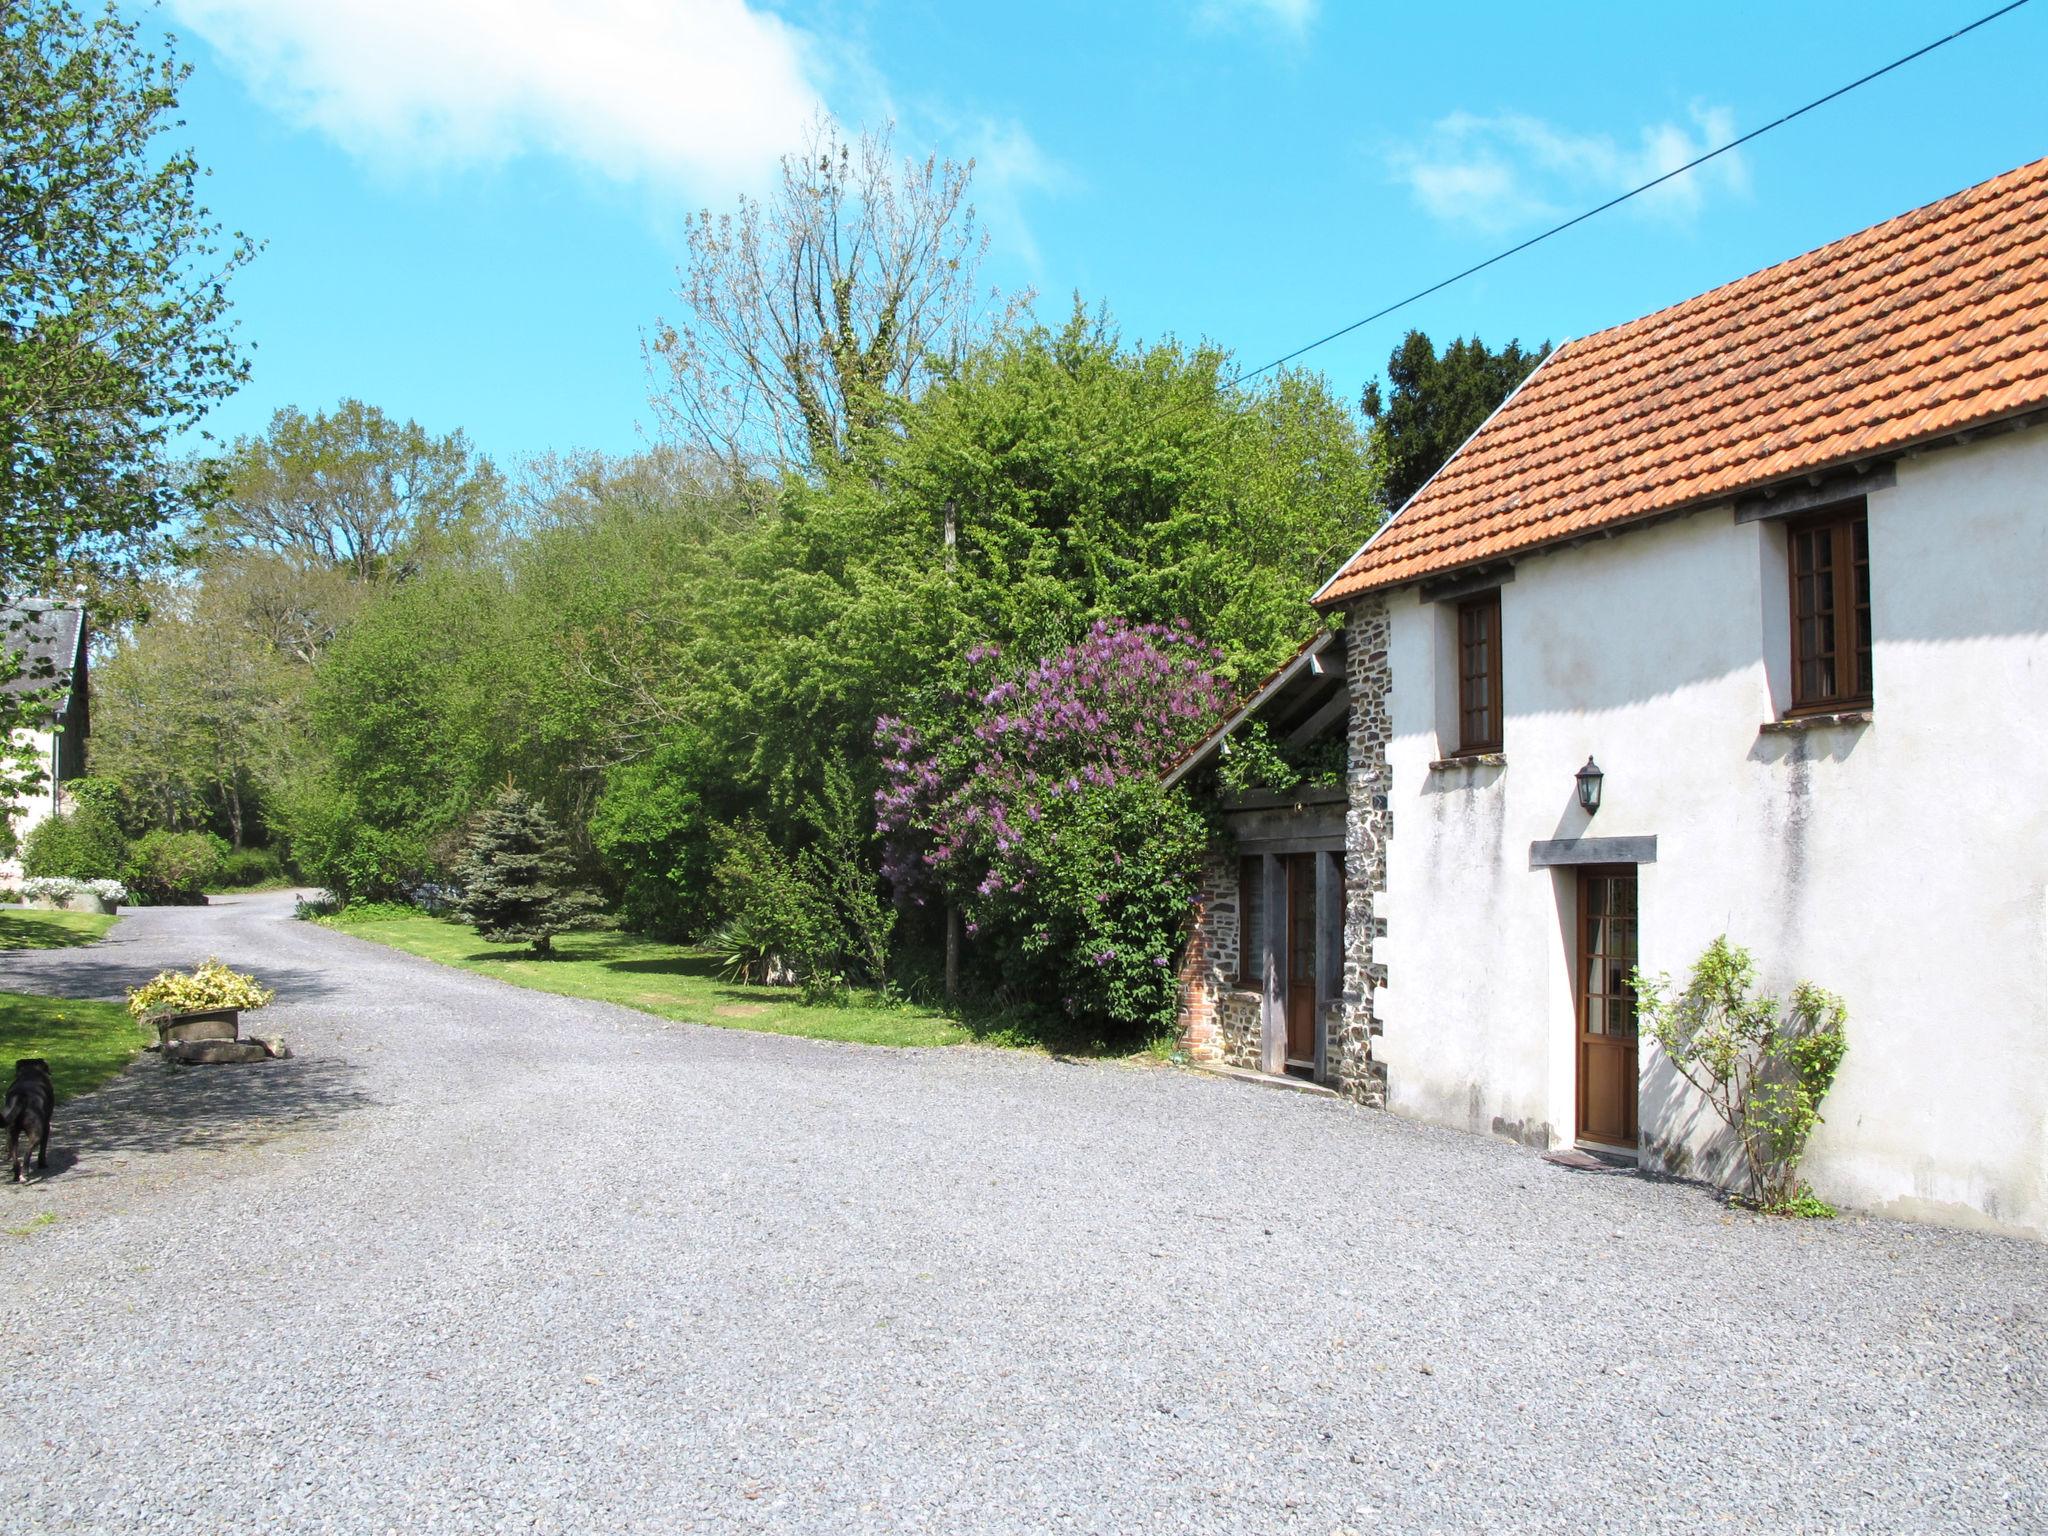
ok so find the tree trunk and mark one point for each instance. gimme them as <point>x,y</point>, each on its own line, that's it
<point>952,951</point>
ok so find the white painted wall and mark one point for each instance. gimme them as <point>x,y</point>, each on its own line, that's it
<point>36,806</point>
<point>1904,863</point>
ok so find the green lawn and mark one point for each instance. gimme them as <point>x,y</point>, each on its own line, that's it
<point>85,1043</point>
<point>27,928</point>
<point>658,978</point>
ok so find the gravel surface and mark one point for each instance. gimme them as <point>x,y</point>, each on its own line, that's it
<point>483,1259</point>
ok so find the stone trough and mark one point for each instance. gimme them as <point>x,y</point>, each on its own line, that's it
<point>211,1037</point>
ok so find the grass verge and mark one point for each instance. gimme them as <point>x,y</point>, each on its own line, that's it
<point>33,928</point>
<point>669,980</point>
<point>85,1043</point>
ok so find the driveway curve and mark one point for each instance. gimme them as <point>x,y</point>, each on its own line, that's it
<point>482,1259</point>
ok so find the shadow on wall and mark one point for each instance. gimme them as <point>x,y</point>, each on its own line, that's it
<point>1681,1134</point>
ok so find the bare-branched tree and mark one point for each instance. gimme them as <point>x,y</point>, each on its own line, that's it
<point>812,319</point>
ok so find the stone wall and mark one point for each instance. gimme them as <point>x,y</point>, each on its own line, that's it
<point>1368,823</point>
<point>1218,1022</point>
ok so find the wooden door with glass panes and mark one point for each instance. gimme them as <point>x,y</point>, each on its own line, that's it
<point>1606,1024</point>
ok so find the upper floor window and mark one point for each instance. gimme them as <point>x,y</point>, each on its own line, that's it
<point>1829,563</point>
<point>1479,723</point>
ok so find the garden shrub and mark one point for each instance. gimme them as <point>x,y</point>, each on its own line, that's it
<point>212,985</point>
<point>780,922</point>
<point>84,843</point>
<point>336,848</point>
<point>241,868</point>
<point>173,869</point>
<point>1034,804</point>
<point>1764,1067</point>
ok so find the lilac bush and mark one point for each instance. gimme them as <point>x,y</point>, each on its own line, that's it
<point>1033,800</point>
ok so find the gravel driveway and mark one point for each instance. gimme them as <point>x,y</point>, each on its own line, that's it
<point>484,1259</point>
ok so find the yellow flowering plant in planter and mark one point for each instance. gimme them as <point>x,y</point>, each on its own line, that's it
<point>209,987</point>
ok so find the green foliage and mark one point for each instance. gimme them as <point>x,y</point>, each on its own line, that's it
<point>1764,1068</point>
<point>114,338</point>
<point>192,715</point>
<point>84,843</point>
<point>1434,403</point>
<point>779,915</point>
<point>402,721</point>
<point>212,985</point>
<point>1253,760</point>
<point>649,825</point>
<point>243,868</point>
<point>173,869</point>
<point>518,884</point>
<point>335,845</point>
<point>1105,916</point>
<point>353,490</point>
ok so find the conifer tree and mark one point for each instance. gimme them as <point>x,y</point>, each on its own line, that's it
<point>517,879</point>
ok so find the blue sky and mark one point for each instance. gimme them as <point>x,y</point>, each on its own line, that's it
<point>473,207</point>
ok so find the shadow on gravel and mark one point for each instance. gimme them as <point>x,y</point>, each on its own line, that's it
<point>157,1106</point>
<point>103,972</point>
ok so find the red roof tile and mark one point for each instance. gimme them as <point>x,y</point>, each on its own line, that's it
<point>1908,330</point>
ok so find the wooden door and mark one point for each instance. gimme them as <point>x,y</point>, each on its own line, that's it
<point>1300,972</point>
<point>1606,1024</point>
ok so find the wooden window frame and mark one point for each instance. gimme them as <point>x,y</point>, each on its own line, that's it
<point>1484,609</point>
<point>1852,690</point>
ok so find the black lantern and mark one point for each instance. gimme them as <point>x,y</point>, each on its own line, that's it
<point>1589,778</point>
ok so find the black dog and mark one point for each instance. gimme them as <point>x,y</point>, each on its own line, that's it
<point>31,1101</point>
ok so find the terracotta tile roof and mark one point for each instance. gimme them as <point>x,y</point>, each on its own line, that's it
<point>1911,329</point>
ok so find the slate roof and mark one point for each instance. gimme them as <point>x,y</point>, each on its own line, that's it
<point>46,636</point>
<point>1905,332</point>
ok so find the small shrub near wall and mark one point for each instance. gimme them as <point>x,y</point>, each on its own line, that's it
<point>1764,1066</point>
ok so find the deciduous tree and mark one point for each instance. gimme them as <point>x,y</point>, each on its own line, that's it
<point>813,318</point>
<point>354,491</point>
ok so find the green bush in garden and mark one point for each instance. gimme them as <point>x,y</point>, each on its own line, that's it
<point>173,869</point>
<point>245,867</point>
<point>82,844</point>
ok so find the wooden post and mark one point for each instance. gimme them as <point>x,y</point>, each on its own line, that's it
<point>952,951</point>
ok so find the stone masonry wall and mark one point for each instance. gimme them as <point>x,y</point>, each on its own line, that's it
<point>1368,823</point>
<point>1217,1021</point>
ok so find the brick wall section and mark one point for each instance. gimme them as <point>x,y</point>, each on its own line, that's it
<point>1217,1021</point>
<point>1368,823</point>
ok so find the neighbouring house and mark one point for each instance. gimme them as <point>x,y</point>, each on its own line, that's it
<point>1768,570</point>
<point>49,641</point>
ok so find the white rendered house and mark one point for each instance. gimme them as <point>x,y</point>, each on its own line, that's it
<point>49,642</point>
<point>1774,563</point>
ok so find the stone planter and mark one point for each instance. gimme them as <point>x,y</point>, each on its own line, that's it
<point>83,903</point>
<point>200,1024</point>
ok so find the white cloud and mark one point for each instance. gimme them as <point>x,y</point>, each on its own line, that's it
<point>703,94</point>
<point>1496,174</point>
<point>1289,16</point>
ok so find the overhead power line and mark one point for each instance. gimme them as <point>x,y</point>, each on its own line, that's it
<point>1615,202</point>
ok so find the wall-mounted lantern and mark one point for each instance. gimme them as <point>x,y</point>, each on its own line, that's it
<point>1589,778</point>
